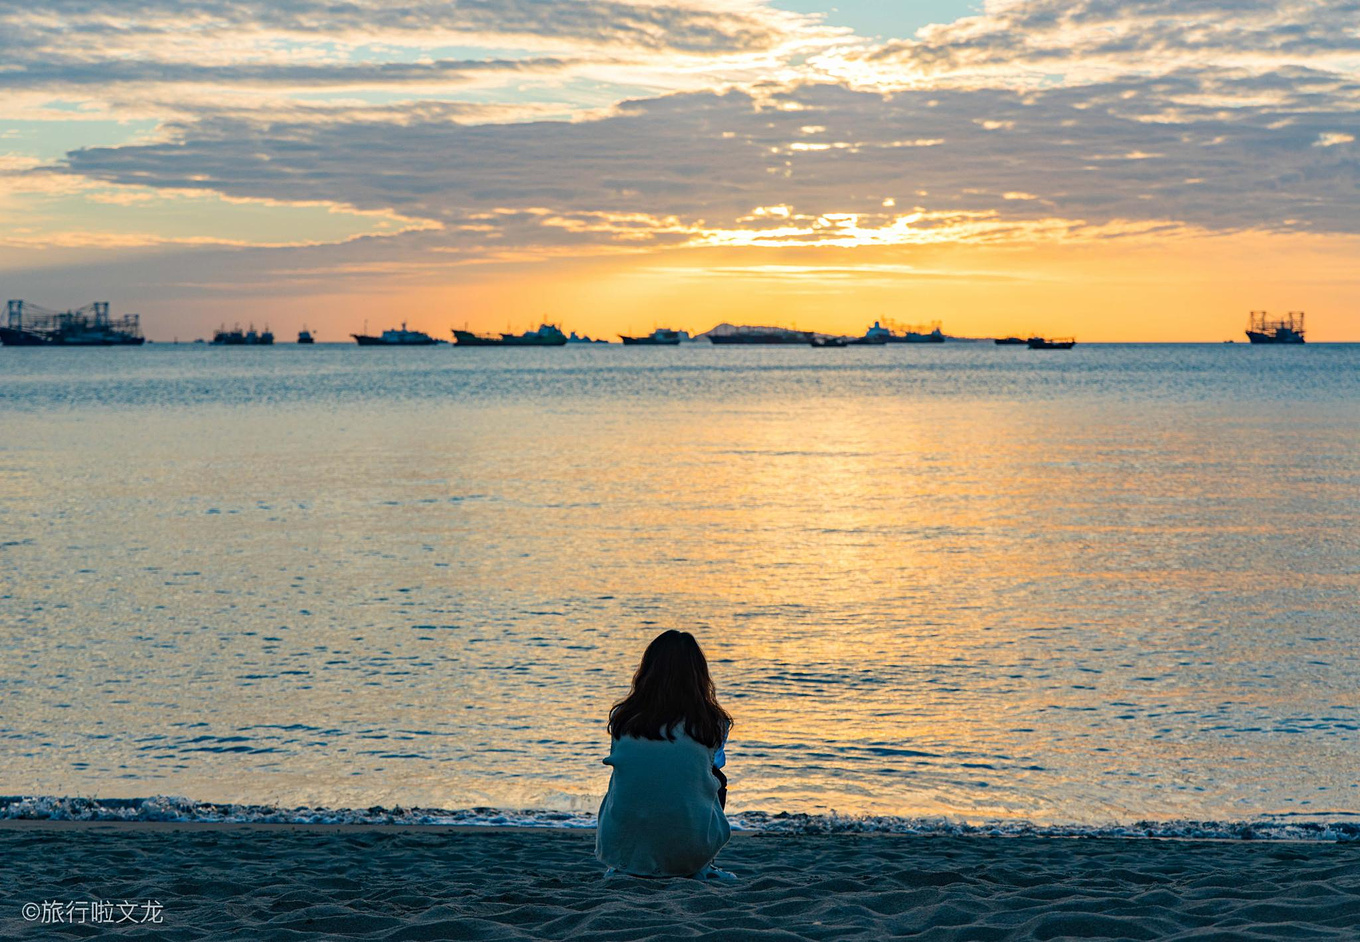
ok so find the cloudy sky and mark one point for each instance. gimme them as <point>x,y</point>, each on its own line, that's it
<point>1136,170</point>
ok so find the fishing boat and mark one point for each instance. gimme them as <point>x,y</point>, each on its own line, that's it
<point>547,335</point>
<point>1262,328</point>
<point>1043,343</point>
<point>305,336</point>
<point>662,337</point>
<point>237,337</point>
<point>30,325</point>
<point>396,338</point>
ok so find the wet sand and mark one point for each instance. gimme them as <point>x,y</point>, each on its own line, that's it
<point>415,883</point>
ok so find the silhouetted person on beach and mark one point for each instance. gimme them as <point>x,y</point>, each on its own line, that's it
<point>663,813</point>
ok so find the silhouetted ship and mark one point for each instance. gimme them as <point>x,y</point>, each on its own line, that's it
<point>305,336</point>
<point>396,338</point>
<point>829,341</point>
<point>1043,343</point>
<point>30,325</point>
<point>237,337</point>
<point>547,335</point>
<point>1262,328</point>
<point>931,333</point>
<point>894,333</point>
<point>574,337</point>
<point>877,334</point>
<point>1009,341</point>
<point>727,333</point>
<point>662,336</point>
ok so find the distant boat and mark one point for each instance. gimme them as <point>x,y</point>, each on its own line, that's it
<point>934,335</point>
<point>877,334</point>
<point>1009,342</point>
<point>305,336</point>
<point>397,338</point>
<point>237,337</point>
<point>727,333</point>
<point>829,341</point>
<point>30,325</point>
<point>547,335</point>
<point>662,336</point>
<point>573,337</point>
<point>930,333</point>
<point>1262,328</point>
<point>1060,343</point>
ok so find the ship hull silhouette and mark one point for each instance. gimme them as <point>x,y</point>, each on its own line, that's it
<point>547,335</point>
<point>30,325</point>
<point>1262,328</point>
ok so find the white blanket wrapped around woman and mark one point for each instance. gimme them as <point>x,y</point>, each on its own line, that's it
<point>661,815</point>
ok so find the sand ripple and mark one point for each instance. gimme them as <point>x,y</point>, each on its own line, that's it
<point>292,881</point>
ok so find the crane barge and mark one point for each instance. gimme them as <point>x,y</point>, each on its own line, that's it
<point>31,325</point>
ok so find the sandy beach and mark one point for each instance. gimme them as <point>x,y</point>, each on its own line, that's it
<point>399,883</point>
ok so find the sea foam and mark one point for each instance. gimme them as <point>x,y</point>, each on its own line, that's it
<point>175,809</point>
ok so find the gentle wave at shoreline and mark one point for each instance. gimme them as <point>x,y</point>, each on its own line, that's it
<point>162,808</point>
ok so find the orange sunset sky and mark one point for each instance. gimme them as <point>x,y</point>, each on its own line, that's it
<point>1115,171</point>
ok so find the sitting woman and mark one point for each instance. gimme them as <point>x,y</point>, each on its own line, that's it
<point>663,813</point>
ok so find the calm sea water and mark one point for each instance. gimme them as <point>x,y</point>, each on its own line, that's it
<point>1113,583</point>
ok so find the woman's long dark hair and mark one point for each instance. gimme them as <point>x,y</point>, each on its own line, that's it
<point>672,686</point>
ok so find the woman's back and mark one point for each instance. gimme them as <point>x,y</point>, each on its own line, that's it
<point>661,815</point>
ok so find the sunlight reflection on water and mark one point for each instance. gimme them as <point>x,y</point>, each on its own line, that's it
<point>1114,583</point>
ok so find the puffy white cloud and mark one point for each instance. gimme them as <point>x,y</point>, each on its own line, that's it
<point>91,27</point>
<point>1077,40</point>
<point>55,74</point>
<point>706,161</point>
<point>1332,138</point>
<point>1036,120</point>
<point>138,58</point>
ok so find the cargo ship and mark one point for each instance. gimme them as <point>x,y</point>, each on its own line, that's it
<point>894,333</point>
<point>929,334</point>
<point>1044,343</point>
<point>30,325</point>
<point>1262,328</point>
<point>237,337</point>
<point>396,338</point>
<point>662,336</point>
<point>547,335</point>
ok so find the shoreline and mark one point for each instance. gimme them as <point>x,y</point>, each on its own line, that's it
<point>23,824</point>
<point>398,882</point>
<point>1318,827</point>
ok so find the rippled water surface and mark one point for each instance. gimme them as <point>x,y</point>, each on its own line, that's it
<point>1085,586</point>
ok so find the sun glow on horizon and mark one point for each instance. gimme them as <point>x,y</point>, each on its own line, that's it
<point>1064,164</point>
